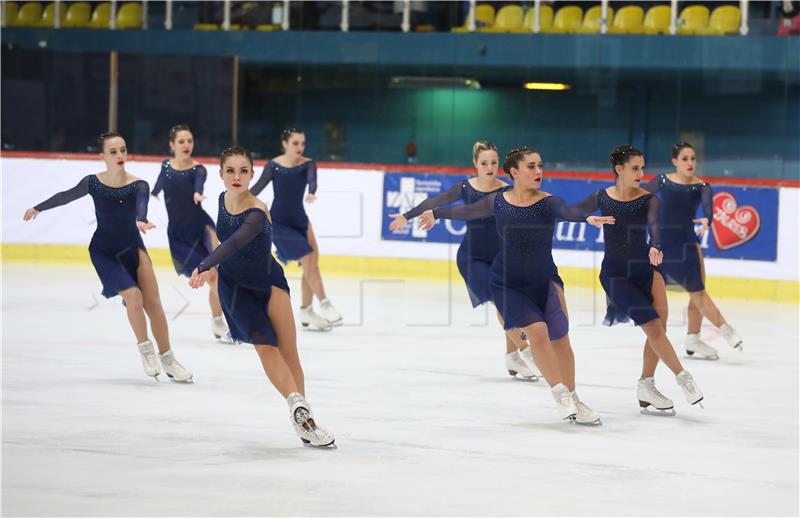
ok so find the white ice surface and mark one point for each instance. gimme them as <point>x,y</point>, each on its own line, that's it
<point>426,419</point>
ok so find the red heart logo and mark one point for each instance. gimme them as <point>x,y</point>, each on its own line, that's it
<point>733,225</point>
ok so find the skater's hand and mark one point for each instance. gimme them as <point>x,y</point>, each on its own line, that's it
<point>704,222</point>
<point>426,220</point>
<point>198,280</point>
<point>30,214</point>
<point>398,223</point>
<point>599,221</point>
<point>144,226</point>
<point>311,198</point>
<point>198,198</point>
<point>656,256</point>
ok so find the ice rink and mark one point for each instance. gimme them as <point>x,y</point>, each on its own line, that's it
<point>413,386</point>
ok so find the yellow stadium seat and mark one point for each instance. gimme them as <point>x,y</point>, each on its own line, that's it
<point>130,16</point>
<point>567,20</point>
<point>49,15</point>
<point>215,27</point>
<point>591,20</point>
<point>628,20</point>
<point>508,19</point>
<point>78,15</point>
<point>656,21</point>
<point>29,15</point>
<point>693,19</point>
<point>484,17</point>
<point>545,19</point>
<point>101,17</point>
<point>10,13</point>
<point>724,19</point>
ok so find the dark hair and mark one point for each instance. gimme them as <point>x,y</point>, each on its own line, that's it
<point>514,156</point>
<point>621,155</point>
<point>680,146</point>
<point>173,131</point>
<point>481,146</point>
<point>235,150</point>
<point>106,135</point>
<point>287,133</point>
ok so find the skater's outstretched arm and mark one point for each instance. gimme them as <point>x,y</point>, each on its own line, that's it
<point>653,207</point>
<point>444,198</point>
<point>311,175</point>
<point>480,209</point>
<point>263,181</point>
<point>200,176</point>
<point>159,186</point>
<point>578,212</point>
<point>142,199</point>
<point>253,224</point>
<point>399,221</point>
<point>59,199</point>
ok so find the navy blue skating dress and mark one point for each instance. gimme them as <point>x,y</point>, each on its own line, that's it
<point>289,219</point>
<point>114,248</point>
<point>189,224</point>
<point>523,273</point>
<point>480,244</point>
<point>683,261</point>
<point>247,273</point>
<point>626,273</point>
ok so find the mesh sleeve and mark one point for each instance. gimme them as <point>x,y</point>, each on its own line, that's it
<point>653,207</point>
<point>64,197</point>
<point>653,186</point>
<point>444,198</point>
<point>142,199</point>
<point>311,175</point>
<point>159,186</point>
<point>266,178</point>
<point>480,209</point>
<point>200,175</point>
<point>578,212</point>
<point>252,225</point>
<point>706,200</point>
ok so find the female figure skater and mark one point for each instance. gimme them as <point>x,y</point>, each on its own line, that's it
<point>253,289</point>
<point>525,284</point>
<point>118,253</point>
<point>480,245</point>
<point>293,235</point>
<point>191,232</point>
<point>633,284</point>
<point>681,193</point>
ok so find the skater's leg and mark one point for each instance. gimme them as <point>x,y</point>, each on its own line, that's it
<point>512,344</point>
<point>276,369</point>
<point>703,306</point>
<point>152,302</point>
<point>135,308</point>
<point>563,347</point>
<point>311,273</point>
<point>656,332</point>
<point>543,353</point>
<point>213,294</point>
<point>280,314</point>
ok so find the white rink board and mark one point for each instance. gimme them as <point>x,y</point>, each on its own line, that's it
<point>346,217</point>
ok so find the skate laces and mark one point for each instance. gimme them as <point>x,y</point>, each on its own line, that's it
<point>303,418</point>
<point>688,383</point>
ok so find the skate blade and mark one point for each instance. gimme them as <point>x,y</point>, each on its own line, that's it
<point>330,445</point>
<point>307,327</point>
<point>670,412</point>
<point>336,323</point>
<point>691,356</point>
<point>592,423</point>
<point>517,376</point>
<point>570,418</point>
<point>172,378</point>
<point>699,402</point>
